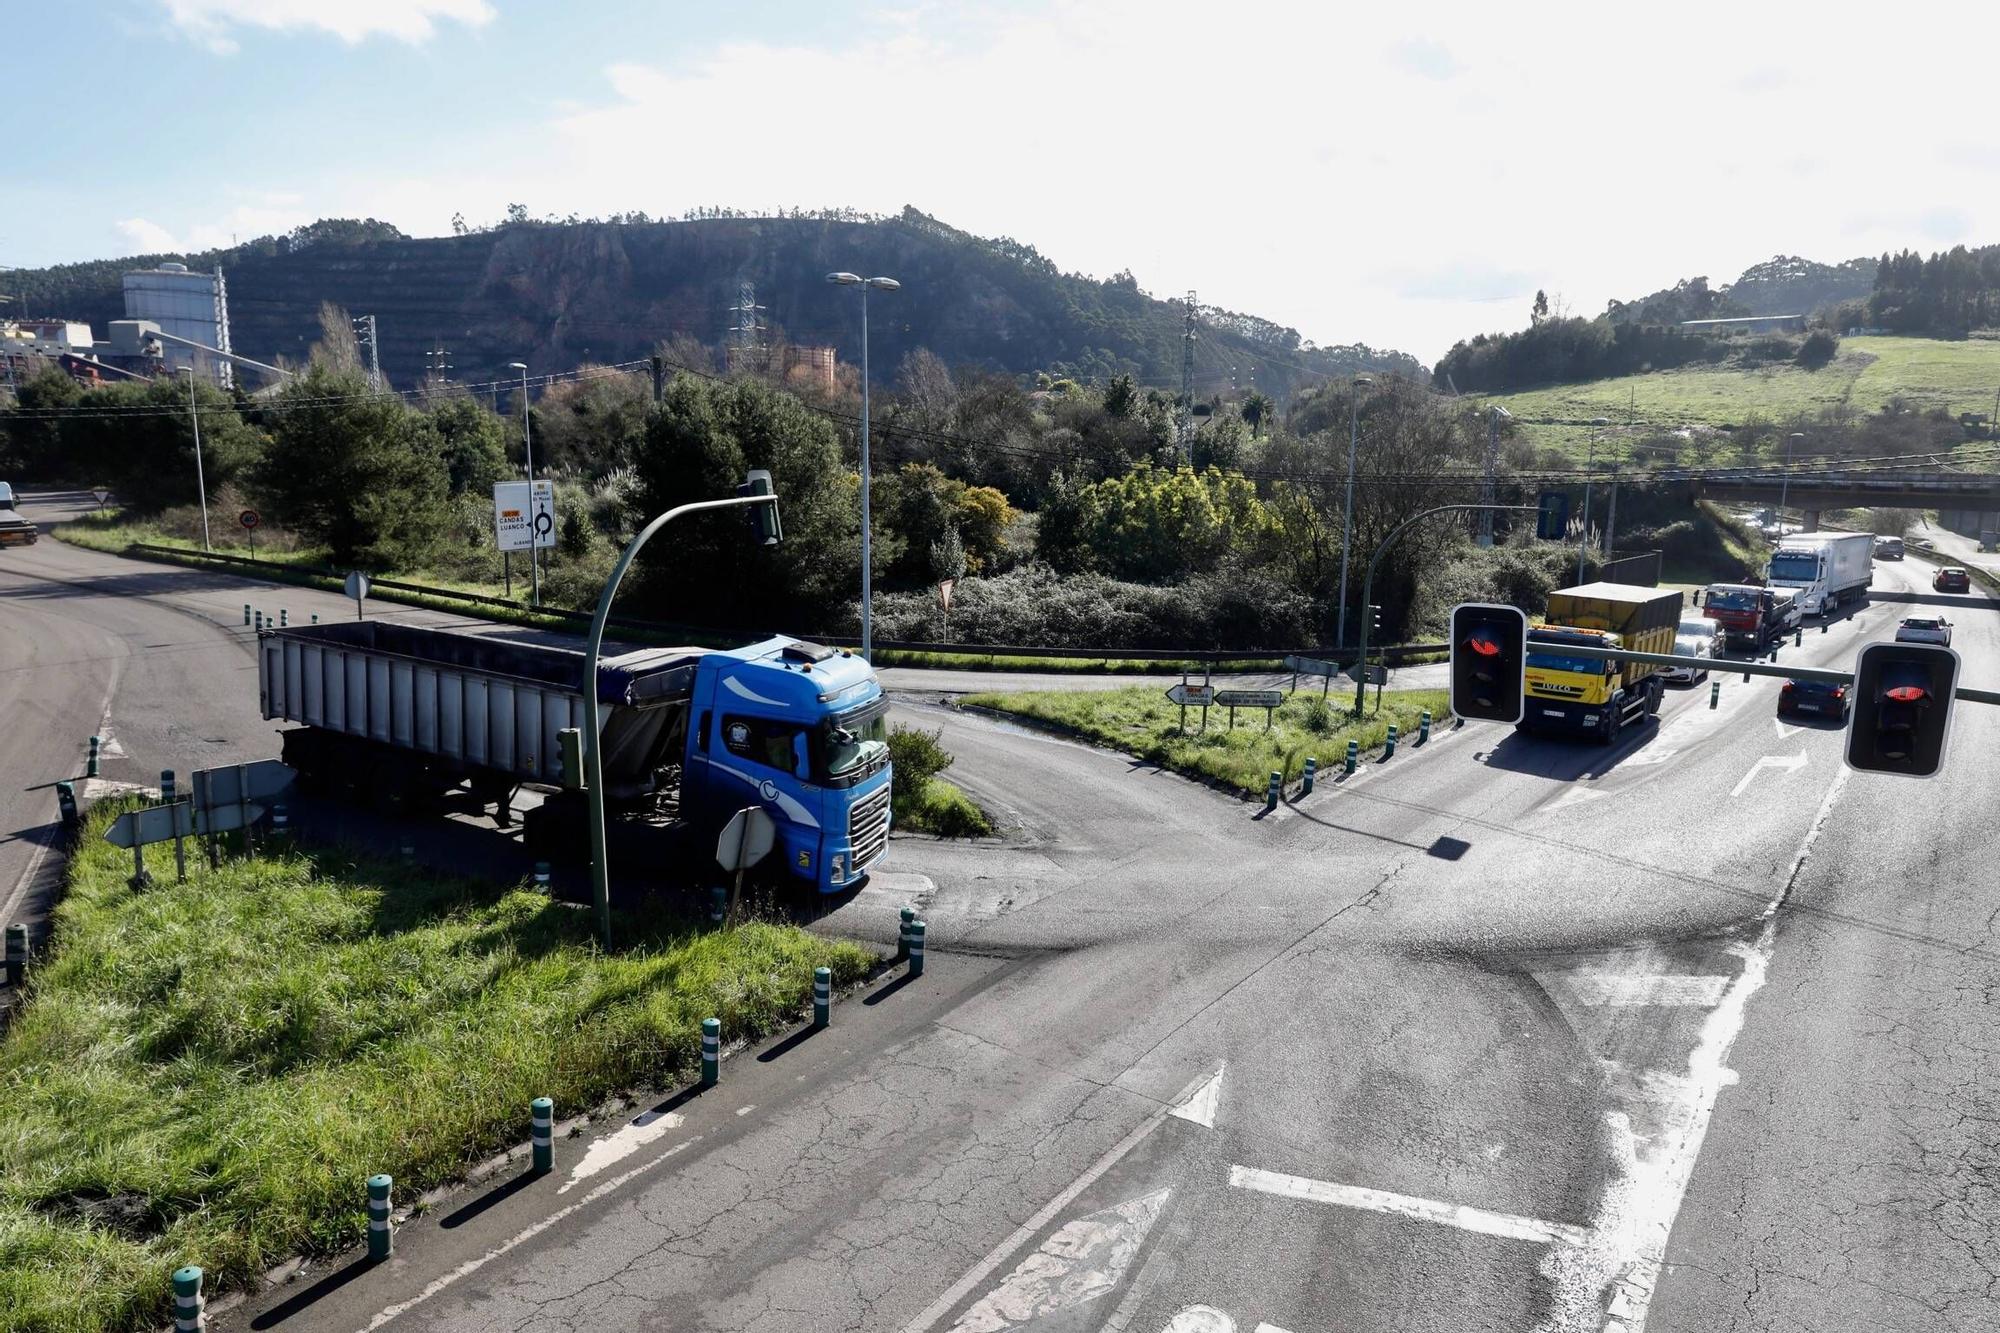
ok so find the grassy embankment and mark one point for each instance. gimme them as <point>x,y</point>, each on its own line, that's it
<point>112,534</point>
<point>1140,721</point>
<point>208,1072</point>
<point>1925,373</point>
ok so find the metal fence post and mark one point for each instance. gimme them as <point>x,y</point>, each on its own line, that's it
<point>189,1303</point>
<point>711,1052</point>
<point>822,996</point>
<point>916,948</point>
<point>380,1239</point>
<point>542,1133</point>
<point>1306,782</point>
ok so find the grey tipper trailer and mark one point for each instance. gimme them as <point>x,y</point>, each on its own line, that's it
<point>405,713</point>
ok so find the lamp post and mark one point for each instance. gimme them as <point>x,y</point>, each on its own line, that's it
<point>1590,466</point>
<point>867,535</point>
<point>1347,521</point>
<point>528,448</point>
<point>1785,479</point>
<point>755,491</point>
<point>200,482</point>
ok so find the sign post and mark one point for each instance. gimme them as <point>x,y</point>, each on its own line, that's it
<point>1185,694</point>
<point>357,588</point>
<point>249,519</point>
<point>102,495</point>
<point>1264,699</point>
<point>744,841</point>
<point>1313,666</point>
<point>524,519</point>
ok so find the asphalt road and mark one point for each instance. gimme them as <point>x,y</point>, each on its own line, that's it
<point>1505,1033</point>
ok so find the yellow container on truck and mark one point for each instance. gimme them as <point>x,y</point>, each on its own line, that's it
<point>1587,696</point>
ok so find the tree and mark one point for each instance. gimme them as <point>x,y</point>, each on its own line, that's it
<point>31,446</point>
<point>356,472</point>
<point>142,444</point>
<point>1256,409</point>
<point>983,518</point>
<point>1541,308</point>
<point>472,442</point>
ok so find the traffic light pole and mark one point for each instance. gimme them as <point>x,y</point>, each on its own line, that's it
<point>1727,667</point>
<point>1368,584</point>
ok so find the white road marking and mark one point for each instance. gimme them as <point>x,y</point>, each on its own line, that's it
<point>1624,1251</point>
<point>622,1143</point>
<point>1200,1105</point>
<point>471,1266</point>
<point>1082,1261</point>
<point>1785,729</point>
<point>746,1110</point>
<point>1790,763</point>
<point>1269,1328</point>
<point>1201,1319</point>
<point>1405,1205</point>
<point>1574,796</point>
<point>1022,1234</point>
<point>1613,989</point>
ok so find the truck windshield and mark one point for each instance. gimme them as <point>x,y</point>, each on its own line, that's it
<point>1560,661</point>
<point>853,741</point>
<point>1730,599</point>
<point>1798,566</point>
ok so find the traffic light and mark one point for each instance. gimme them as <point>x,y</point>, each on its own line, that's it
<point>1489,661</point>
<point>1902,708</point>
<point>1375,622</point>
<point>1552,517</point>
<point>764,520</point>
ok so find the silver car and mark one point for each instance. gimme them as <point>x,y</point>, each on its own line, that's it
<point>1695,640</point>
<point>1924,629</point>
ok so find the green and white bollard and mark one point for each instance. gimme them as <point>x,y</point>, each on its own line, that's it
<point>380,1239</point>
<point>1353,756</point>
<point>246,613</point>
<point>1424,727</point>
<point>189,1303</point>
<point>260,622</point>
<point>541,876</point>
<point>822,996</point>
<point>96,744</point>
<point>718,906</point>
<point>66,803</point>
<point>17,954</point>
<point>1389,743</point>
<point>315,619</point>
<point>542,1134</point>
<point>1714,692</point>
<point>908,915</point>
<point>1799,637</point>
<point>281,822</point>
<point>916,948</point>
<point>167,786</point>
<point>1271,793</point>
<point>284,616</point>
<point>711,1052</point>
<point>1822,628</point>
<point>1306,782</point>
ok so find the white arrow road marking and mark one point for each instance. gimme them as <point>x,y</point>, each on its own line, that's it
<point>615,1147</point>
<point>1786,762</point>
<point>1200,1105</point>
<point>1083,1260</point>
<point>1022,1234</point>
<point>1202,1319</point>
<point>1404,1205</point>
<point>1785,729</point>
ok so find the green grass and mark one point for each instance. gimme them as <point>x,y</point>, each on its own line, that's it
<point>1139,721</point>
<point>1120,666</point>
<point>943,809</point>
<point>207,1072</point>
<point>1869,372</point>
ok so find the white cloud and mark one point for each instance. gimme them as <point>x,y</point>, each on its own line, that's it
<point>215,22</point>
<point>147,237</point>
<point>265,215</point>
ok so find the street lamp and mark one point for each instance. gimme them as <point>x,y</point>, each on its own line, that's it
<point>1785,479</point>
<point>528,447</point>
<point>1590,465</point>
<point>867,545</point>
<point>1347,522</point>
<point>200,482</point>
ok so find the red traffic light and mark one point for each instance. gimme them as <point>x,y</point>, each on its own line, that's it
<point>1484,644</point>
<point>1908,694</point>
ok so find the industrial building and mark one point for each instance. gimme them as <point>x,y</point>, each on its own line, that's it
<point>191,310</point>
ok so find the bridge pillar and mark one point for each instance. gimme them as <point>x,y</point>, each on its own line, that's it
<point>1811,520</point>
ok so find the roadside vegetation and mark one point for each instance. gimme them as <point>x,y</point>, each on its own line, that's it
<point>923,802</point>
<point>1139,721</point>
<point>208,1072</point>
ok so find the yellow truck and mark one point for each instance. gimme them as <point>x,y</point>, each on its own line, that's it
<point>1586,696</point>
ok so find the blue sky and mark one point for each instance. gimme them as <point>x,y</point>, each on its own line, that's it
<point>1403,176</point>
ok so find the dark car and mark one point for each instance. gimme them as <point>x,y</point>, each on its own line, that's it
<point>1817,697</point>
<point>1952,579</point>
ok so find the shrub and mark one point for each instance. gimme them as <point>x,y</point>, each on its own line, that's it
<point>918,756</point>
<point>1818,349</point>
<point>1317,717</point>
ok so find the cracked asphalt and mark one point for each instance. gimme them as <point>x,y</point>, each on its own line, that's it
<point>1610,992</point>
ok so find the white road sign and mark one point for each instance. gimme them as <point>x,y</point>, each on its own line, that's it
<point>524,517</point>
<point>1191,694</point>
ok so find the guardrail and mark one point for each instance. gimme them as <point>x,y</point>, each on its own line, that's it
<point>697,633</point>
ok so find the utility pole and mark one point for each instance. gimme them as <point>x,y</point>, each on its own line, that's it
<point>437,368</point>
<point>747,334</point>
<point>364,333</point>
<point>659,380</point>
<point>1493,416</point>
<point>1187,378</point>
<point>1611,517</point>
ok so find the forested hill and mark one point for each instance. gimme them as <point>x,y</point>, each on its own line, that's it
<point>557,294</point>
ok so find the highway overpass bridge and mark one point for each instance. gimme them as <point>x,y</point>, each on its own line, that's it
<point>1965,501</point>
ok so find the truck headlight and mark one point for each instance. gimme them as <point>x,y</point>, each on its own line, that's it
<point>839,870</point>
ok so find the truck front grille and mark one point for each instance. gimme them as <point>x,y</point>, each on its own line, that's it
<point>868,827</point>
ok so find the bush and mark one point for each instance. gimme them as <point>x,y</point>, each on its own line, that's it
<point>1818,349</point>
<point>1317,716</point>
<point>918,756</point>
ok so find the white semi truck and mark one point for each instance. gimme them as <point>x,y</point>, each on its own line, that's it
<point>1829,569</point>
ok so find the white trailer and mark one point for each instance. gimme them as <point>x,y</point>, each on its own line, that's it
<point>1829,569</point>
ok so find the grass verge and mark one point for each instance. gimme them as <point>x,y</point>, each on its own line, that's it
<point>207,1072</point>
<point>942,808</point>
<point>1139,721</point>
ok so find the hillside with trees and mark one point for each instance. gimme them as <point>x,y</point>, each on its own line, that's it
<point>562,293</point>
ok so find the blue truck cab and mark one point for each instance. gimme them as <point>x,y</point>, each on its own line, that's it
<point>803,730</point>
